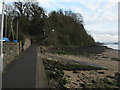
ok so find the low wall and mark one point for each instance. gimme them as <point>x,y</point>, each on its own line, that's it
<point>10,51</point>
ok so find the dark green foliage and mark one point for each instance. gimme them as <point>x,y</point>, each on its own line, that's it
<point>30,18</point>
<point>58,28</point>
<point>68,30</point>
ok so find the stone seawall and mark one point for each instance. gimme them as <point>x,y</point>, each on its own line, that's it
<point>10,51</point>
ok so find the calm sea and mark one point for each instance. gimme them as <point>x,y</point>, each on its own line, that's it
<point>112,45</point>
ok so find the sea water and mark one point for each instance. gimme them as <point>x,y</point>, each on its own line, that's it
<point>112,45</point>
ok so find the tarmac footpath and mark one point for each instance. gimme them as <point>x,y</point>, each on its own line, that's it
<point>26,72</point>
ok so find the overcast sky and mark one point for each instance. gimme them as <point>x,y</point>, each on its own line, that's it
<point>100,16</point>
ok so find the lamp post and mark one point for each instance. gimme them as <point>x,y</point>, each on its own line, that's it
<point>1,53</point>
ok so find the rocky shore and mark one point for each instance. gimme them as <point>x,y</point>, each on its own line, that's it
<point>74,76</point>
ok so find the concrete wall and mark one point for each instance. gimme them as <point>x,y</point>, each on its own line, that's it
<point>10,51</point>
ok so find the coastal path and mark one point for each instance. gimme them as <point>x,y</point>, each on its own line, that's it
<point>27,71</point>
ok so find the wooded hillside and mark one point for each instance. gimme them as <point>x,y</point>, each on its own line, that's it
<point>58,28</point>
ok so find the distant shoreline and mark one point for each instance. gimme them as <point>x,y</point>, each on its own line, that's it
<point>113,46</point>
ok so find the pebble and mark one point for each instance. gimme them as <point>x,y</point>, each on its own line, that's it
<point>67,76</point>
<point>78,80</point>
<point>75,83</point>
<point>82,85</point>
<point>101,72</point>
<point>93,81</point>
<point>56,69</point>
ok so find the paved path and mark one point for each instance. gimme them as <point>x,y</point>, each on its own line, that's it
<point>22,72</point>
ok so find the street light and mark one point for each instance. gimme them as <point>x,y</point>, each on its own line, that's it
<point>1,53</point>
<point>1,46</point>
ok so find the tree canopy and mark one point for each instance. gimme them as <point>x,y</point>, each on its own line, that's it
<point>68,29</point>
<point>58,28</point>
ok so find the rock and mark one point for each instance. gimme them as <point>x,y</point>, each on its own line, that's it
<point>115,59</point>
<point>56,69</point>
<point>78,80</point>
<point>93,81</point>
<point>110,83</point>
<point>75,83</point>
<point>78,76</point>
<point>54,73</point>
<point>117,76</point>
<point>49,58</point>
<point>65,86</point>
<point>67,76</point>
<point>75,72</point>
<point>101,72</point>
<point>83,74</point>
<point>61,75</point>
<point>109,76</point>
<point>82,85</point>
<point>48,67</point>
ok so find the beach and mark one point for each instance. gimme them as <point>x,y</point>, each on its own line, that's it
<point>103,57</point>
